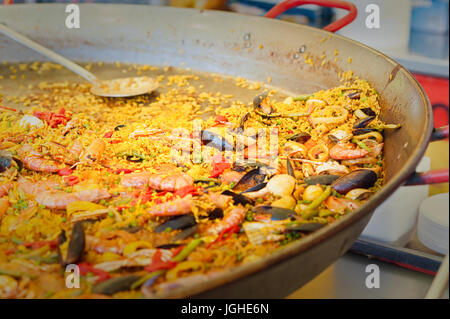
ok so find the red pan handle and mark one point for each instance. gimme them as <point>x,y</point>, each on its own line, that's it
<point>434,176</point>
<point>332,27</point>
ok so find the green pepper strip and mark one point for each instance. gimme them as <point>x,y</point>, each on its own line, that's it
<point>361,145</point>
<point>145,278</point>
<point>178,258</point>
<point>309,211</point>
<point>187,250</point>
<point>303,97</point>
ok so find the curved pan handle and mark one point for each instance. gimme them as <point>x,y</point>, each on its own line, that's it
<point>434,176</point>
<point>332,27</point>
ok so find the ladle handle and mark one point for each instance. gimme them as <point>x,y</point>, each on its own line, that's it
<point>48,53</point>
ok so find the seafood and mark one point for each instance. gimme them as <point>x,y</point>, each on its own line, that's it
<point>175,207</point>
<point>233,218</point>
<point>362,178</point>
<point>34,160</point>
<point>168,178</point>
<point>59,199</point>
<point>346,151</point>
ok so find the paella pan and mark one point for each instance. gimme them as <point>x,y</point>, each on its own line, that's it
<point>211,182</point>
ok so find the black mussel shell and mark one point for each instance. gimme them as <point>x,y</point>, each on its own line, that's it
<point>301,137</point>
<point>321,179</point>
<point>185,233</point>
<point>177,222</point>
<point>215,213</point>
<point>118,127</point>
<point>362,123</point>
<point>250,179</point>
<point>361,131</point>
<point>216,141</point>
<point>361,178</point>
<point>368,111</point>
<point>77,244</point>
<point>354,95</point>
<point>169,246</point>
<point>115,285</point>
<point>238,198</point>
<point>133,229</point>
<point>290,168</point>
<point>255,188</point>
<point>277,213</point>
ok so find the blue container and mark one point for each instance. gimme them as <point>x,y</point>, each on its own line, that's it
<point>430,16</point>
<point>433,45</point>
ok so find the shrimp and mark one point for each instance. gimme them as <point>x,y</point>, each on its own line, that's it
<point>4,189</point>
<point>234,218</point>
<point>33,188</point>
<point>4,205</point>
<point>60,199</point>
<point>94,152</point>
<point>219,200</point>
<point>346,151</point>
<point>166,179</point>
<point>175,207</point>
<point>34,160</point>
<point>229,177</point>
<point>102,246</point>
<point>340,205</point>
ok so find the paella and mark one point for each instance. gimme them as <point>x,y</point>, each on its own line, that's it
<point>132,197</point>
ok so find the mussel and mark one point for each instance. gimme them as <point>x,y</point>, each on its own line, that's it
<point>354,95</point>
<point>238,198</point>
<point>321,179</point>
<point>185,233</point>
<point>368,111</point>
<point>259,102</point>
<point>214,140</point>
<point>361,178</point>
<point>76,245</point>
<point>215,213</point>
<point>177,222</point>
<point>358,194</point>
<point>115,285</point>
<point>301,137</point>
<point>242,121</point>
<point>276,213</point>
<point>362,123</point>
<point>290,168</point>
<point>255,188</point>
<point>250,179</point>
<point>132,229</point>
<point>118,127</point>
<point>6,160</point>
<point>169,246</point>
<point>361,131</point>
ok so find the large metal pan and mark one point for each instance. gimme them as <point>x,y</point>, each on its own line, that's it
<point>254,48</point>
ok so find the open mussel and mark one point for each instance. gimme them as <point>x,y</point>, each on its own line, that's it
<point>361,178</point>
<point>260,103</point>
<point>177,222</point>
<point>361,131</point>
<point>354,95</point>
<point>214,140</point>
<point>255,188</point>
<point>362,123</point>
<point>238,198</point>
<point>250,179</point>
<point>185,233</point>
<point>276,213</point>
<point>76,245</point>
<point>301,137</point>
<point>215,213</point>
<point>7,160</point>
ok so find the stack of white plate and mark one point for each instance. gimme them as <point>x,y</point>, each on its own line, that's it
<point>432,228</point>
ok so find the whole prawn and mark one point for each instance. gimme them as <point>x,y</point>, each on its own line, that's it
<point>33,160</point>
<point>234,218</point>
<point>346,151</point>
<point>167,178</point>
<point>60,199</point>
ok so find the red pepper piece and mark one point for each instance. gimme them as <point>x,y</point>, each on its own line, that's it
<point>71,180</point>
<point>108,134</point>
<point>185,191</point>
<point>115,141</point>
<point>65,172</point>
<point>35,245</point>
<point>158,264</point>
<point>7,108</point>
<point>86,268</point>
<point>229,231</point>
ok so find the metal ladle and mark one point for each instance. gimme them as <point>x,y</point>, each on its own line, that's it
<point>121,87</point>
